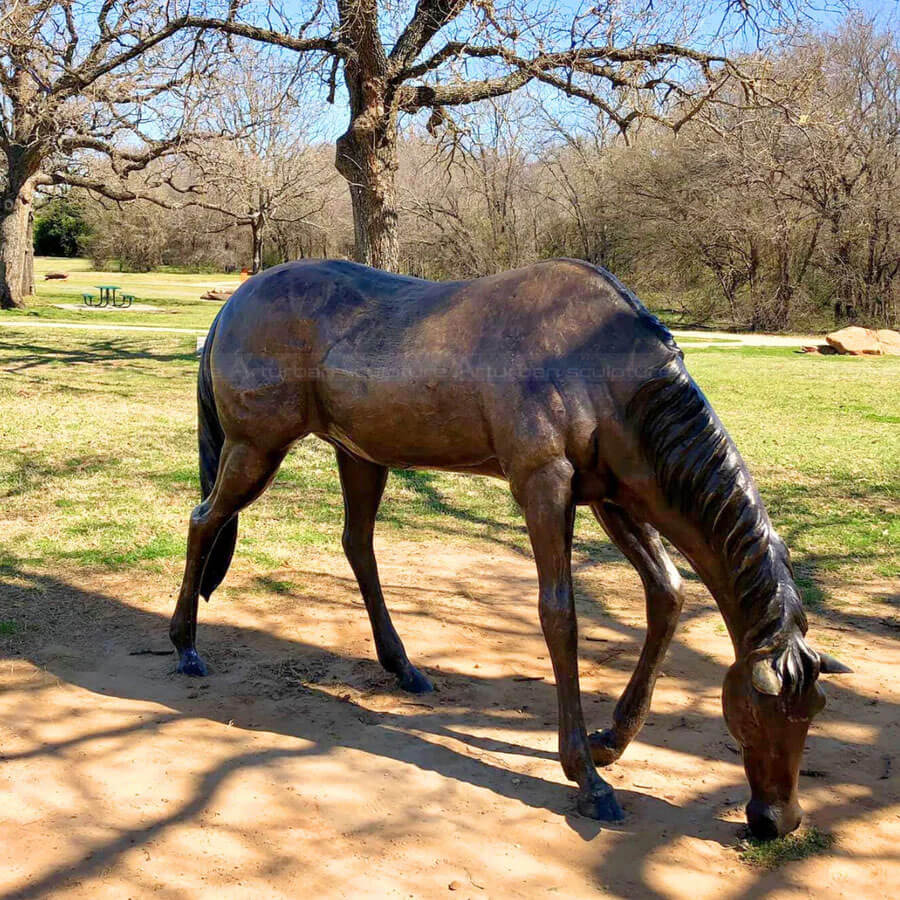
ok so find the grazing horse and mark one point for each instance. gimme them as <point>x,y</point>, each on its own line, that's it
<point>555,378</point>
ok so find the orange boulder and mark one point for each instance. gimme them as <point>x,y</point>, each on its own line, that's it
<point>890,341</point>
<point>856,341</point>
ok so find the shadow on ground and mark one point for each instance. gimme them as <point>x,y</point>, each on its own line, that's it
<point>118,353</point>
<point>327,708</point>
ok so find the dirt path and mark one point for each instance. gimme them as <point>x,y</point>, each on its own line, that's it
<point>693,339</point>
<point>296,769</point>
<point>698,339</point>
<point>98,326</point>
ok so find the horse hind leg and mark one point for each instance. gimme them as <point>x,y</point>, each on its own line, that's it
<point>641,545</point>
<point>244,473</point>
<point>363,485</point>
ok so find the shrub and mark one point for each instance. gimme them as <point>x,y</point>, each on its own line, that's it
<point>60,228</point>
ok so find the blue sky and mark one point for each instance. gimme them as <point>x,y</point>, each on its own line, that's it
<point>882,10</point>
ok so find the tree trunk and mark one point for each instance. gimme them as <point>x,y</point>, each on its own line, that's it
<point>15,207</point>
<point>369,164</point>
<point>366,156</point>
<point>16,233</point>
<point>780,315</point>
<point>256,231</point>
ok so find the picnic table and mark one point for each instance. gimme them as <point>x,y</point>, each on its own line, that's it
<point>108,297</point>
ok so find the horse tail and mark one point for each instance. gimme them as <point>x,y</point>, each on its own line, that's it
<point>210,439</point>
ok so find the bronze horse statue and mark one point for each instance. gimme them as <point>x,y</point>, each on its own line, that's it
<point>555,378</point>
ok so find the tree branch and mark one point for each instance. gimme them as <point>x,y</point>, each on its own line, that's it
<point>429,18</point>
<point>584,61</point>
<point>93,69</point>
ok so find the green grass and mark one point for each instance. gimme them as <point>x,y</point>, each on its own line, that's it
<point>818,434</point>
<point>98,463</point>
<point>773,854</point>
<point>275,585</point>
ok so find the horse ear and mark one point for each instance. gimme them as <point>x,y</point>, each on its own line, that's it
<point>765,679</point>
<point>828,665</point>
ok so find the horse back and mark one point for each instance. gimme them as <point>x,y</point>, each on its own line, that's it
<point>411,372</point>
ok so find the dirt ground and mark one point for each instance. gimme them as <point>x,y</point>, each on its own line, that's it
<point>298,770</point>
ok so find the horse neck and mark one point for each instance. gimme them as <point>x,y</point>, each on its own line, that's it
<point>755,619</point>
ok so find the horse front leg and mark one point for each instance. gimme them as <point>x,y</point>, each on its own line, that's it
<point>641,545</point>
<point>545,496</point>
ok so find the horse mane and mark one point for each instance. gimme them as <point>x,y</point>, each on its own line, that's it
<point>703,476</point>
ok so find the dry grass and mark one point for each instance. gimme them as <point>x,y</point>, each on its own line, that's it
<point>177,295</point>
<point>98,463</point>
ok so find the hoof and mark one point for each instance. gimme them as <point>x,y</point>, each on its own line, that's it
<point>603,749</point>
<point>413,681</point>
<point>600,804</point>
<point>190,663</point>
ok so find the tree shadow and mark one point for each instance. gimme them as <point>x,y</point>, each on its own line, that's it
<point>444,512</point>
<point>30,469</point>
<point>27,355</point>
<point>314,710</point>
<point>797,510</point>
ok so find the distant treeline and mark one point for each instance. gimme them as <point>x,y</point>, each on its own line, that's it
<point>767,217</point>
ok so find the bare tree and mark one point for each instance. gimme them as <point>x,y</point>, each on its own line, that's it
<point>207,218</point>
<point>789,207</point>
<point>847,167</point>
<point>295,234</point>
<point>262,173</point>
<point>444,54</point>
<point>691,211</point>
<point>578,189</point>
<point>77,76</point>
<point>133,234</point>
<point>471,199</point>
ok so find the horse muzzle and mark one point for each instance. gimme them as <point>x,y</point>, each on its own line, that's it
<point>771,820</point>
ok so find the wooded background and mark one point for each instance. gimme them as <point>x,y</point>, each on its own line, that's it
<point>756,187</point>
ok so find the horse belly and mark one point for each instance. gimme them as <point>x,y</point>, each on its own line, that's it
<point>404,422</point>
